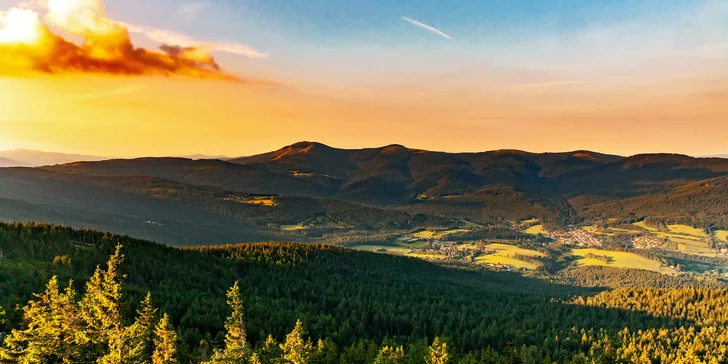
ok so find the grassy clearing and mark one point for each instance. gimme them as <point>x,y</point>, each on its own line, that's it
<point>721,235</point>
<point>689,230</point>
<point>471,224</point>
<point>426,256</point>
<point>409,242</point>
<point>513,262</point>
<point>644,226</point>
<point>535,230</point>
<point>677,238</point>
<point>511,250</point>
<point>436,234</point>
<point>620,260</point>
<point>506,254</point>
<point>292,227</point>
<point>695,247</point>
<point>389,249</point>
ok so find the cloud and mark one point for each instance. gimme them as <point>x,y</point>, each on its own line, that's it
<point>427,27</point>
<point>27,44</point>
<point>548,84</point>
<point>172,37</point>
<point>189,11</point>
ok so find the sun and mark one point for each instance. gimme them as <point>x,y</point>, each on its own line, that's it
<point>21,26</point>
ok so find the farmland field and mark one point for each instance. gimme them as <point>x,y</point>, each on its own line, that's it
<point>644,226</point>
<point>505,254</point>
<point>534,230</point>
<point>436,234</point>
<point>410,242</point>
<point>689,230</point>
<point>390,249</point>
<point>620,260</point>
<point>695,247</point>
<point>426,256</point>
<point>499,259</point>
<point>721,235</point>
<point>292,227</point>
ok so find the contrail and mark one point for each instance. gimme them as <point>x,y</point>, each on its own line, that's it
<point>427,27</point>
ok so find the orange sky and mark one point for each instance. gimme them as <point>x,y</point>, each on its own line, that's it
<point>617,78</point>
<point>119,116</point>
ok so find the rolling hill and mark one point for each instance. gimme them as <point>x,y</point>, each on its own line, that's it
<point>36,158</point>
<point>483,187</point>
<point>183,214</point>
<point>5,163</point>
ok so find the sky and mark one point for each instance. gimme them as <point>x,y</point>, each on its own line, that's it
<point>615,76</point>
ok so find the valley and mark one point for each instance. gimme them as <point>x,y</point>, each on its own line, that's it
<point>435,206</point>
<point>511,238</point>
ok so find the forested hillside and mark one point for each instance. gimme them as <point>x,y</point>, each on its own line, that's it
<point>182,214</point>
<point>558,188</point>
<point>355,302</point>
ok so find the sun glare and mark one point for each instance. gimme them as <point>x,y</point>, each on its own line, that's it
<point>20,26</point>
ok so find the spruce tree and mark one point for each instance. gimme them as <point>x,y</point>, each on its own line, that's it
<point>165,342</point>
<point>50,334</point>
<point>100,306</point>
<point>437,352</point>
<point>296,350</point>
<point>390,355</point>
<point>236,344</point>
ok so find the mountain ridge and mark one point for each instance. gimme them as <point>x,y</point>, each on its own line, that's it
<point>484,187</point>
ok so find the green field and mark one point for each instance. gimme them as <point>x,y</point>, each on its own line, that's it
<point>689,230</point>
<point>535,230</point>
<point>436,234</point>
<point>644,226</point>
<point>695,247</point>
<point>620,260</point>
<point>505,254</point>
<point>721,235</point>
<point>426,256</point>
<point>529,222</point>
<point>689,239</point>
<point>292,227</point>
<point>471,224</point>
<point>390,249</point>
<point>513,262</point>
<point>405,241</point>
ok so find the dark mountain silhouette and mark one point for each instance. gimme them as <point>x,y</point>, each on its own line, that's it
<point>502,184</point>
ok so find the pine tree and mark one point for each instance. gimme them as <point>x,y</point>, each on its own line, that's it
<point>236,344</point>
<point>100,306</point>
<point>51,324</point>
<point>254,359</point>
<point>390,355</point>
<point>143,329</point>
<point>271,351</point>
<point>296,350</point>
<point>437,352</point>
<point>165,342</point>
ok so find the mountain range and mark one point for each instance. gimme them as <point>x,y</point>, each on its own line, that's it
<point>35,158</point>
<point>368,190</point>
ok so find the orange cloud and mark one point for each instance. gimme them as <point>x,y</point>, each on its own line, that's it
<point>28,45</point>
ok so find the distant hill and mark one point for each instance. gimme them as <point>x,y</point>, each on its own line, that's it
<point>204,156</point>
<point>36,158</point>
<point>183,214</point>
<point>4,163</point>
<point>486,186</point>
